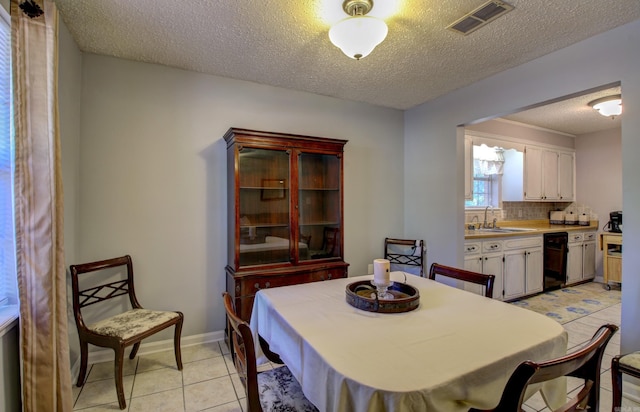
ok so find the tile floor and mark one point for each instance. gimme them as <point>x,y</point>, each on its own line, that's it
<point>208,381</point>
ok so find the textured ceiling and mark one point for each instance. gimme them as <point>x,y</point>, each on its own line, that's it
<point>285,43</point>
<point>572,115</point>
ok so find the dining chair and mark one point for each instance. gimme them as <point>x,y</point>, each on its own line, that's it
<point>330,243</point>
<point>123,329</point>
<point>583,363</point>
<point>486,281</point>
<point>628,363</point>
<point>407,255</point>
<point>271,390</point>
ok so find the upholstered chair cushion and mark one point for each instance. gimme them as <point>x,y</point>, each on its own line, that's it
<point>631,360</point>
<point>280,392</point>
<point>131,323</point>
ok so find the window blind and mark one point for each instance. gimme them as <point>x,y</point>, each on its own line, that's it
<point>8,281</point>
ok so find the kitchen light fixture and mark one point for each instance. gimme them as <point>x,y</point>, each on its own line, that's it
<point>610,106</point>
<point>358,34</point>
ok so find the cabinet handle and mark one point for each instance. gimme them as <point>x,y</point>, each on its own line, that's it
<point>257,285</point>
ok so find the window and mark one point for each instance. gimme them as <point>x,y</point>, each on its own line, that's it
<point>8,282</point>
<point>487,176</point>
<point>483,186</point>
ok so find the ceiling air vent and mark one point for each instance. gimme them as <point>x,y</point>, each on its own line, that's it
<point>487,12</point>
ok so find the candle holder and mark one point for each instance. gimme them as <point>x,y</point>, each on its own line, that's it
<point>382,290</point>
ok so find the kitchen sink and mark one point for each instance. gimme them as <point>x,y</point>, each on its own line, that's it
<point>505,229</point>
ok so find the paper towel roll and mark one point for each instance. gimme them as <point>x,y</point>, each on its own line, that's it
<point>381,271</point>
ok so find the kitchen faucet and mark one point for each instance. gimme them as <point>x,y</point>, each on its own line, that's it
<point>485,225</point>
<point>471,226</point>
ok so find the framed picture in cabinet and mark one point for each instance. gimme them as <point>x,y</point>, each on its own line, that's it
<point>273,189</point>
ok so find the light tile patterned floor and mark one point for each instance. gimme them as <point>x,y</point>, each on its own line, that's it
<point>208,381</point>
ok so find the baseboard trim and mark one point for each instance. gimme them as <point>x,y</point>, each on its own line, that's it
<point>105,355</point>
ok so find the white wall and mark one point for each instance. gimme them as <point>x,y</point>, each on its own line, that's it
<point>599,176</point>
<point>434,148</point>
<point>153,174</point>
<point>69,95</point>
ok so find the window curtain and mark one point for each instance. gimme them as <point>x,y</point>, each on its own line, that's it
<point>489,160</point>
<point>44,346</point>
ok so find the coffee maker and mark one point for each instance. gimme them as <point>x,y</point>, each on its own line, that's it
<point>615,222</point>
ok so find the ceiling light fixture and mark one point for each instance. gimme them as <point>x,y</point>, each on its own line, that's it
<point>358,34</point>
<point>610,106</point>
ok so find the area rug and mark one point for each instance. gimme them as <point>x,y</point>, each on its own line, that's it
<point>565,305</point>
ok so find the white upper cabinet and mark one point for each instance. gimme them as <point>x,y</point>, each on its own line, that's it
<point>535,173</point>
<point>546,175</point>
<point>533,170</point>
<point>566,179</point>
<point>541,174</point>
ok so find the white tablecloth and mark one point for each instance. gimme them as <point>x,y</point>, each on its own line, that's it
<point>455,351</point>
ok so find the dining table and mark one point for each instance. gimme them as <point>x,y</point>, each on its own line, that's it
<point>454,351</point>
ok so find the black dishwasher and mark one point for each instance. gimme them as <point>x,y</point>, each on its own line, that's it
<point>555,260</point>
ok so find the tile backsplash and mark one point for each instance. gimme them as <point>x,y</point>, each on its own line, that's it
<point>529,211</point>
<point>541,210</point>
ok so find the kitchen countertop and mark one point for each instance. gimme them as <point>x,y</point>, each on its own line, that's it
<point>539,226</point>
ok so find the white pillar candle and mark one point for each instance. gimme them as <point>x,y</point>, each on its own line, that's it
<point>381,271</point>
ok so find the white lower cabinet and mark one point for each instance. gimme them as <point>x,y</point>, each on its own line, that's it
<point>574,258</point>
<point>516,263</point>
<point>485,257</point>
<point>589,257</point>
<point>523,268</point>
<point>581,257</point>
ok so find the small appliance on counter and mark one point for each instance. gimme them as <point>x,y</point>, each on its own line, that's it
<point>583,220</point>
<point>615,222</point>
<point>570,219</point>
<point>556,217</point>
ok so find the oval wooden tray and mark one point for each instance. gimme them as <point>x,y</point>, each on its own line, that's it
<point>406,297</point>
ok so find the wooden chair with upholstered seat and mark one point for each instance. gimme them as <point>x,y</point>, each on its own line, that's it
<point>628,363</point>
<point>407,255</point>
<point>330,243</point>
<point>271,390</point>
<point>486,281</point>
<point>122,329</point>
<point>583,363</point>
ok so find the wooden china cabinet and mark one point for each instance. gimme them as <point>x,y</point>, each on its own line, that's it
<point>285,212</point>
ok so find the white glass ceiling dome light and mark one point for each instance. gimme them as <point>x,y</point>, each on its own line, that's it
<point>358,34</point>
<point>609,106</point>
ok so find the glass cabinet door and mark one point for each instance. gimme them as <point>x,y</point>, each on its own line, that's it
<point>319,230</point>
<point>264,206</point>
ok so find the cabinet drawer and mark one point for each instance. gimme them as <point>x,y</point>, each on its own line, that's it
<point>589,236</point>
<point>472,248</point>
<point>575,237</point>
<point>523,242</point>
<point>321,275</point>
<point>491,246</point>
<point>251,286</point>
